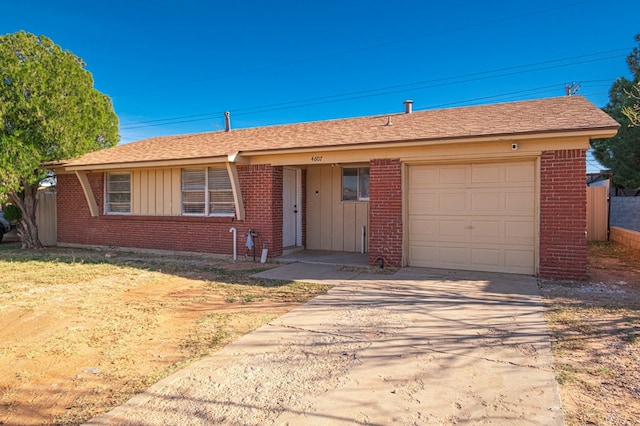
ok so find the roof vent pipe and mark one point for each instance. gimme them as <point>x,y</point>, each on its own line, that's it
<point>227,121</point>
<point>408,106</point>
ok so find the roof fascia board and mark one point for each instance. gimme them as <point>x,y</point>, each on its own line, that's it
<point>149,164</point>
<point>591,133</point>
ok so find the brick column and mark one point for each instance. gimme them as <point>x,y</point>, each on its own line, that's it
<point>563,214</point>
<point>262,193</point>
<point>385,212</point>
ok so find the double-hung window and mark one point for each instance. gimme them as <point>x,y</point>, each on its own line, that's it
<point>118,193</point>
<point>207,191</point>
<point>355,184</point>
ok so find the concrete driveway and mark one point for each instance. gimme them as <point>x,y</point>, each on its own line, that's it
<point>416,347</point>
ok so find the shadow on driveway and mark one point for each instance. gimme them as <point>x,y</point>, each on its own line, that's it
<point>416,347</point>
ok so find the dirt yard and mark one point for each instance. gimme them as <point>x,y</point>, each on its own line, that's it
<point>595,328</point>
<point>82,331</point>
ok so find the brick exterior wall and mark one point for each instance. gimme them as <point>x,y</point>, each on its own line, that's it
<point>385,212</point>
<point>261,187</point>
<point>563,214</point>
<point>625,237</point>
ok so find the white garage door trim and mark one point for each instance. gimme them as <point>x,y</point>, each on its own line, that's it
<point>472,216</point>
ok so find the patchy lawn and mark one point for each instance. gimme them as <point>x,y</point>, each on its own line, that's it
<point>82,331</point>
<point>595,327</point>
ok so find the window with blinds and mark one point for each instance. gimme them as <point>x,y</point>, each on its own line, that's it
<point>118,193</point>
<point>207,192</point>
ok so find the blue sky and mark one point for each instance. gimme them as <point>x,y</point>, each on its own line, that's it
<point>175,67</point>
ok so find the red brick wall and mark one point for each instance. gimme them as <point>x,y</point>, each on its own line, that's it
<point>563,214</point>
<point>262,194</point>
<point>385,212</point>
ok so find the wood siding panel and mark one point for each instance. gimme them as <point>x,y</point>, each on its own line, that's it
<point>314,222</point>
<point>135,192</point>
<point>176,194</point>
<point>349,227</point>
<point>331,223</point>
<point>46,217</point>
<point>337,210</point>
<point>362,219</point>
<point>151,192</point>
<point>326,209</point>
<point>597,213</point>
<point>144,193</point>
<point>159,194</point>
<point>167,193</point>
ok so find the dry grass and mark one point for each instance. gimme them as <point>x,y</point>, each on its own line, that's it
<point>82,331</point>
<point>595,337</point>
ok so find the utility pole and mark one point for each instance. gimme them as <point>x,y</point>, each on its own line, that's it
<point>572,88</point>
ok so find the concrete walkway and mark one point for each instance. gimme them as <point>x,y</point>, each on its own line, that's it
<point>416,347</point>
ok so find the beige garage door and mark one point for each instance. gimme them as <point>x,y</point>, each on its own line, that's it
<point>478,217</point>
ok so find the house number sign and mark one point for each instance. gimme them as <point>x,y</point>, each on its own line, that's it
<point>316,158</point>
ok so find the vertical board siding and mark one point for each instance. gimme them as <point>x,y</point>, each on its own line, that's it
<point>597,213</point>
<point>144,193</point>
<point>156,192</point>
<point>166,185</point>
<point>332,224</point>
<point>136,193</point>
<point>314,228</point>
<point>46,217</point>
<point>176,195</point>
<point>151,192</point>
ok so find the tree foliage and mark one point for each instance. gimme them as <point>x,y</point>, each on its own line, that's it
<point>621,153</point>
<point>633,112</point>
<point>49,111</point>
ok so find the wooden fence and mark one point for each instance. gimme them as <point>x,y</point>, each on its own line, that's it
<point>597,213</point>
<point>46,217</point>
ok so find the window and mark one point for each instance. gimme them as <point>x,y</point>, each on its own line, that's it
<point>118,193</point>
<point>207,192</point>
<point>355,184</point>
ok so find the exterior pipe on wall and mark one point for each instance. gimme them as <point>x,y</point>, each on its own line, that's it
<point>363,232</point>
<point>235,242</point>
<point>227,121</point>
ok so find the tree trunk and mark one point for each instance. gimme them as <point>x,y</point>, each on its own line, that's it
<point>27,227</point>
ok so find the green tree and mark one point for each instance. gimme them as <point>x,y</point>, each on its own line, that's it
<point>621,153</point>
<point>633,112</point>
<point>49,111</point>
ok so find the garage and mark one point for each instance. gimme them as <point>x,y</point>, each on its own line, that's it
<point>477,216</point>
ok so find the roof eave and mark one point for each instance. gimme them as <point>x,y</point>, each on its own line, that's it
<point>148,164</point>
<point>591,133</point>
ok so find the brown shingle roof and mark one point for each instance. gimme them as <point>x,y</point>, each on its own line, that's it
<point>563,114</point>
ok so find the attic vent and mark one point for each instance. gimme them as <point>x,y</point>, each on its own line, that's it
<point>408,106</point>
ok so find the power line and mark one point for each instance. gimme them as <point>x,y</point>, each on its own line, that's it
<point>360,49</point>
<point>420,85</point>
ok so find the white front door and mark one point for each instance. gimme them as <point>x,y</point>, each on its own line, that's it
<point>290,208</point>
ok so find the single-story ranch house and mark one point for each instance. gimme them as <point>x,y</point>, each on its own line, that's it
<point>488,188</point>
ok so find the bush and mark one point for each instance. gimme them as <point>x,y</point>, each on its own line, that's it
<point>12,213</point>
